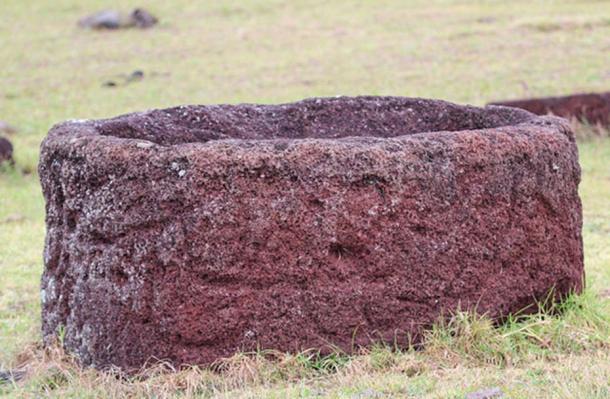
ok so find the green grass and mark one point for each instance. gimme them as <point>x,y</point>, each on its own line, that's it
<point>276,51</point>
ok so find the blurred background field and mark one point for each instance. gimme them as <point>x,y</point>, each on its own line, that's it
<point>205,52</point>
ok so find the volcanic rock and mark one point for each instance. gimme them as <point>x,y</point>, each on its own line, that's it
<point>142,18</point>
<point>106,19</point>
<point>6,151</point>
<point>123,79</point>
<point>593,108</point>
<point>191,233</point>
<point>112,19</point>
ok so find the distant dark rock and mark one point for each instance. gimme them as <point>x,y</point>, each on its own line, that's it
<point>142,18</point>
<point>489,393</point>
<point>593,108</point>
<point>113,19</point>
<point>123,79</point>
<point>7,129</point>
<point>6,151</point>
<point>106,19</point>
<point>135,76</point>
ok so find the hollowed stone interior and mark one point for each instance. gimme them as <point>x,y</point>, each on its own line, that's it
<point>329,118</point>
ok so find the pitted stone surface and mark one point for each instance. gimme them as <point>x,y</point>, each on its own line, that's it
<point>592,108</point>
<point>191,233</point>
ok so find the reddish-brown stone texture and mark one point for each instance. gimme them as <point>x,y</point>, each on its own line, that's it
<point>6,151</point>
<point>191,233</point>
<point>592,108</point>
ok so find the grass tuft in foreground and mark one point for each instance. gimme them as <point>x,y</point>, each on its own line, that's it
<point>563,332</point>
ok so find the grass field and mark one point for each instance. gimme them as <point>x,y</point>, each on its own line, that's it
<point>277,51</point>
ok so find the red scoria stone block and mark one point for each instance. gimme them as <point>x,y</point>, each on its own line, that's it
<point>593,108</point>
<point>190,233</point>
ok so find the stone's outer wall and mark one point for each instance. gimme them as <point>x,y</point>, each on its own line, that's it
<point>192,252</point>
<point>593,108</point>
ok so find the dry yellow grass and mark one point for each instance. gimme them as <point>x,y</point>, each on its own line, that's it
<point>535,354</point>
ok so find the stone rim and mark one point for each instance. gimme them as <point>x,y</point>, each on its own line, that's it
<point>102,129</point>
